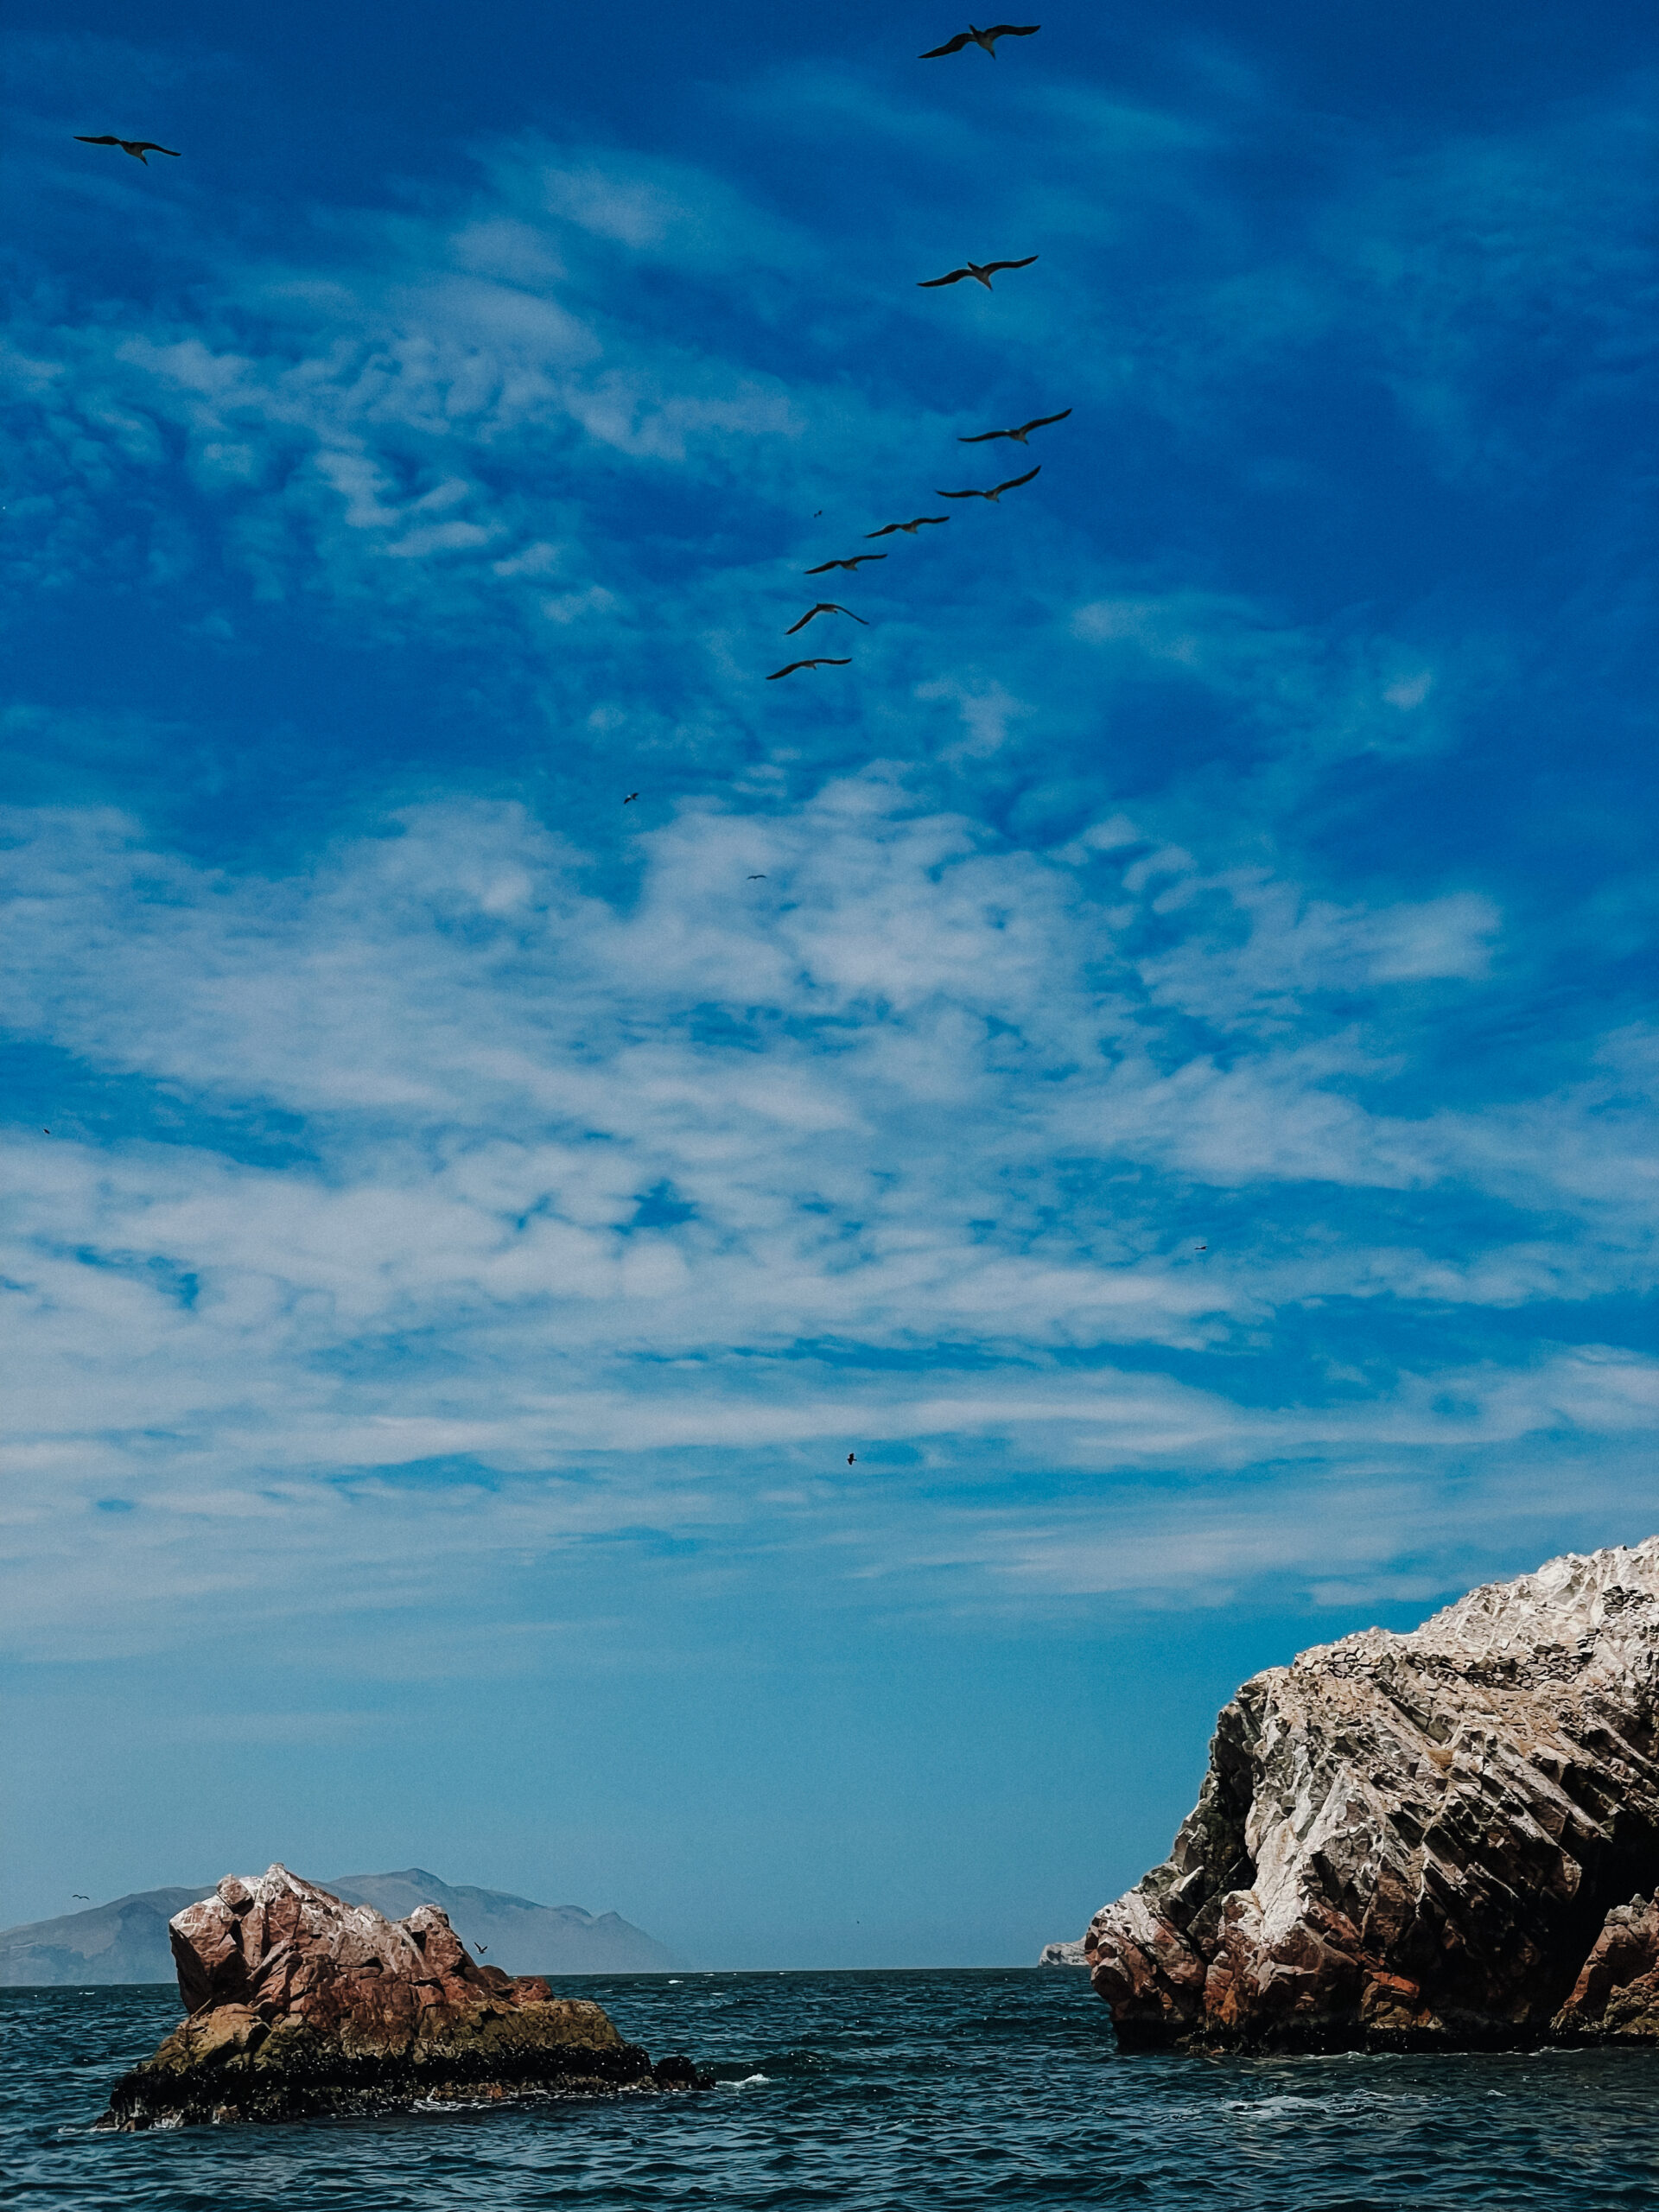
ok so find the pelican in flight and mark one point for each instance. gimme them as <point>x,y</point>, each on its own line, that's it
<point>985,40</point>
<point>824,662</point>
<point>996,492</point>
<point>824,606</point>
<point>1037,422</point>
<point>981,271</point>
<point>824,566</point>
<point>137,147</point>
<point>909,528</point>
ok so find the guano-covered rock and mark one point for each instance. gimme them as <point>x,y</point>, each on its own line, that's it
<point>1420,1840</point>
<point>302,2005</point>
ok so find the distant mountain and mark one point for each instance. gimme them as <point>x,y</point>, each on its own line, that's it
<point>522,1936</point>
<point>126,1939</point>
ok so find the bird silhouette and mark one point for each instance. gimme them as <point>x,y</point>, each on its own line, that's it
<point>81,1894</point>
<point>137,147</point>
<point>851,1456</point>
<point>824,566</point>
<point>480,1948</point>
<point>46,1133</point>
<point>630,798</point>
<point>824,606</point>
<point>996,491</point>
<point>824,662</point>
<point>759,879</point>
<point>986,39</point>
<point>981,271</point>
<point>1037,422</point>
<point>909,528</point>
<point>1200,1247</point>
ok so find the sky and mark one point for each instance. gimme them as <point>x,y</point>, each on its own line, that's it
<point>1155,1058</point>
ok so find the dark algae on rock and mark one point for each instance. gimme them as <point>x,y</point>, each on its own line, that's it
<point>1420,1842</point>
<point>300,2005</point>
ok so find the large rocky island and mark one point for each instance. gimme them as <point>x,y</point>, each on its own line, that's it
<point>301,2004</point>
<point>1440,1839</point>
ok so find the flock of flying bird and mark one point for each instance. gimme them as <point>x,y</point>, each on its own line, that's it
<point>981,272</point>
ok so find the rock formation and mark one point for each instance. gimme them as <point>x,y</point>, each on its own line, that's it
<point>1064,1955</point>
<point>301,2004</point>
<point>1421,1840</point>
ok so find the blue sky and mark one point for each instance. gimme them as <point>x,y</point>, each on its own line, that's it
<point>478,1221</point>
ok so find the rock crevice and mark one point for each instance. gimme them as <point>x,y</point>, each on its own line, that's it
<point>1420,1841</point>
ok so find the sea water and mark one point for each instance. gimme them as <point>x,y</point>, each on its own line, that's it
<point>930,2090</point>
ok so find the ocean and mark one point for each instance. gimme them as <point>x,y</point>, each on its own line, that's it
<point>860,2091</point>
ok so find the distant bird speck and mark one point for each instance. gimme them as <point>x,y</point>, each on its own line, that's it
<point>1200,1247</point>
<point>46,1133</point>
<point>824,606</point>
<point>759,879</point>
<point>986,39</point>
<point>630,798</point>
<point>981,271</point>
<point>81,1894</point>
<point>825,661</point>
<point>1037,422</point>
<point>909,528</point>
<point>137,147</point>
<point>824,566</point>
<point>996,491</point>
<point>851,1456</point>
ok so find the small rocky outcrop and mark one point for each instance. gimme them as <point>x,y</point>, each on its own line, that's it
<point>302,2005</point>
<point>1419,1841</point>
<point>1064,1955</point>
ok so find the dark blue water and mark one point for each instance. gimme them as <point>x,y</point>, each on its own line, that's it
<point>863,2090</point>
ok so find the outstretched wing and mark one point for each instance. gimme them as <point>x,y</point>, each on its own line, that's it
<point>823,607</point>
<point>982,435</point>
<point>991,267</point>
<point>1014,482</point>
<point>108,139</point>
<point>930,518</point>
<point>951,46</point>
<point>927,283</point>
<point>1012,31</point>
<point>1042,421</point>
<point>956,495</point>
<point>794,664</point>
<point>886,530</point>
<point>149,146</point>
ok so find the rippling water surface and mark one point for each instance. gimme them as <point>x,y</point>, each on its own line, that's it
<point>861,2090</point>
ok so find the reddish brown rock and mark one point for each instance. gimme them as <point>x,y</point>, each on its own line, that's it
<point>301,2004</point>
<point>1415,1840</point>
<point>1616,1997</point>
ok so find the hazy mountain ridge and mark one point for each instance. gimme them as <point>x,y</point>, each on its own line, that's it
<point>126,1939</point>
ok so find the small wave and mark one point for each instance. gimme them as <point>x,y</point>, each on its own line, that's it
<point>745,2081</point>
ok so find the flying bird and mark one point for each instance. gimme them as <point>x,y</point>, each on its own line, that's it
<point>824,606</point>
<point>1200,1247</point>
<point>137,147</point>
<point>910,528</point>
<point>981,271</point>
<point>824,566</point>
<point>996,492</point>
<point>1037,422</point>
<point>81,1894</point>
<point>480,1948</point>
<point>630,798</point>
<point>46,1133</point>
<point>757,878</point>
<point>851,1456</point>
<point>825,661</point>
<point>984,39</point>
